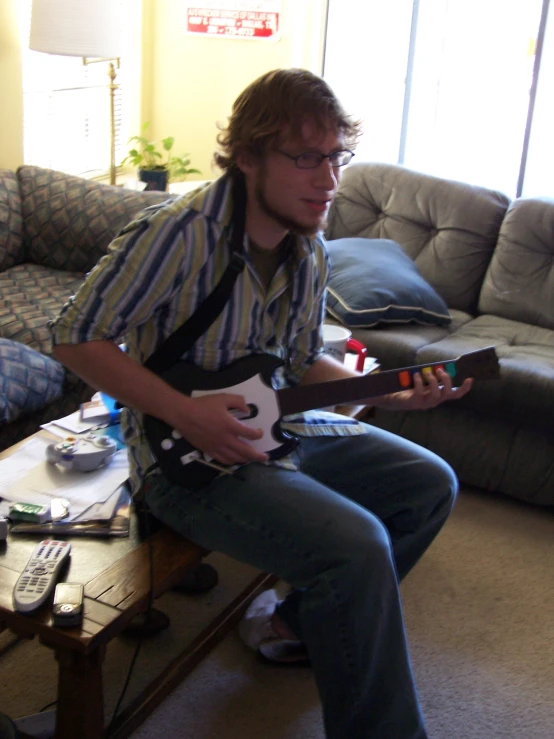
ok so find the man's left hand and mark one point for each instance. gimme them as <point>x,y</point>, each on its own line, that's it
<point>436,389</point>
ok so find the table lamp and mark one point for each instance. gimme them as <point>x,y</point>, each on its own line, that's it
<point>86,28</point>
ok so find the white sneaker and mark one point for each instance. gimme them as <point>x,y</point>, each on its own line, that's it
<point>255,626</point>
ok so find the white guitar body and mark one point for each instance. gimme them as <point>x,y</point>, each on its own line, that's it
<point>265,410</point>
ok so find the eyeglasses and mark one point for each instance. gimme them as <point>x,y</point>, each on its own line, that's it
<point>312,159</point>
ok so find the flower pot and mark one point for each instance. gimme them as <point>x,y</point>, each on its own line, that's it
<point>156,179</point>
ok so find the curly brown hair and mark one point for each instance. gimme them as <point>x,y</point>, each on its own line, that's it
<point>276,104</point>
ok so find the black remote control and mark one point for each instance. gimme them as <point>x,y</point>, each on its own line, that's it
<point>68,604</point>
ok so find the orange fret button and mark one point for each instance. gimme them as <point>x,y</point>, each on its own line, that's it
<point>404,379</point>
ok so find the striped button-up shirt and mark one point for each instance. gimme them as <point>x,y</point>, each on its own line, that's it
<point>159,270</point>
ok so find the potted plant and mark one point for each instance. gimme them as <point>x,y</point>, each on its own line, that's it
<point>156,167</point>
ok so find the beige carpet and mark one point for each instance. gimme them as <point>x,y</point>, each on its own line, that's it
<point>480,614</point>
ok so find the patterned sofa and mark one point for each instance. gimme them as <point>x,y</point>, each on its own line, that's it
<point>53,229</point>
<point>490,260</point>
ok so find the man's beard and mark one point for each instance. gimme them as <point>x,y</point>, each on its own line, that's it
<point>286,222</point>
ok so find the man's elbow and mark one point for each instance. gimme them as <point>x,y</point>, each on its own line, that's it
<point>67,353</point>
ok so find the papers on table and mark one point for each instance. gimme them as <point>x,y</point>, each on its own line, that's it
<point>27,477</point>
<point>72,424</point>
<point>99,412</point>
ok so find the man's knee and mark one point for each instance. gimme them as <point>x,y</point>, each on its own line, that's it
<point>442,483</point>
<point>364,543</point>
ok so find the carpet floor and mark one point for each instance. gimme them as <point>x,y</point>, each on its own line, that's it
<point>479,610</point>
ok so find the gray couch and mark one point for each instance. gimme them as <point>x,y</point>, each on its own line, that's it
<point>492,261</point>
<point>53,229</point>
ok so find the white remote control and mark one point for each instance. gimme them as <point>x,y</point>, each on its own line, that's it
<point>39,577</point>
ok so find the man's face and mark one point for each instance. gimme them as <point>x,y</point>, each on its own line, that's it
<point>292,198</point>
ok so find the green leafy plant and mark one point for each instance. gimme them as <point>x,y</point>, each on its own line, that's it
<point>147,155</point>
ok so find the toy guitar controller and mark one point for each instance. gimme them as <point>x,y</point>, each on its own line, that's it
<point>83,453</point>
<point>251,377</point>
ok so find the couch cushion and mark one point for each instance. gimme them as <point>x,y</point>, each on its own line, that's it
<point>525,391</point>
<point>30,295</point>
<point>11,230</point>
<point>490,453</point>
<point>69,221</point>
<point>448,228</point>
<point>373,282</point>
<point>28,380</point>
<point>519,283</point>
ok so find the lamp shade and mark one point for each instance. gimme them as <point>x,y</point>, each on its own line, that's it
<point>87,28</point>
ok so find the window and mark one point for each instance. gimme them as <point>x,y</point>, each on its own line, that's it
<point>448,86</point>
<point>66,109</point>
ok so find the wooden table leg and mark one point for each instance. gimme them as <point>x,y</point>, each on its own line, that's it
<point>80,711</point>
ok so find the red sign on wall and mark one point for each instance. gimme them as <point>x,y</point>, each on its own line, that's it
<point>233,23</point>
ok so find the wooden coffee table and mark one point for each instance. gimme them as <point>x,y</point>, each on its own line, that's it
<point>116,575</point>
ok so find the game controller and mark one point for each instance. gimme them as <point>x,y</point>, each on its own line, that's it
<point>83,453</point>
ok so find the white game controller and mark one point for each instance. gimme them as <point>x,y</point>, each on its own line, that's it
<point>83,453</point>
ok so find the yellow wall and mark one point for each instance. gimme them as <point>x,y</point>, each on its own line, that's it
<point>11,143</point>
<point>185,84</point>
<point>193,80</point>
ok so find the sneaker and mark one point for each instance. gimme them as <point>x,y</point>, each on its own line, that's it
<point>284,652</point>
<point>257,633</point>
<point>255,626</point>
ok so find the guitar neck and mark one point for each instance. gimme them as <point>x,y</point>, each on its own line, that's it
<point>351,389</point>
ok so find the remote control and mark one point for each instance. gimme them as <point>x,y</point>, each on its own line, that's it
<point>38,579</point>
<point>67,609</point>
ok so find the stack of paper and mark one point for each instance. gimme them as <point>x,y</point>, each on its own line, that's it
<point>27,477</point>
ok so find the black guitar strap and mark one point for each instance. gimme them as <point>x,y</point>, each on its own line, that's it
<point>171,349</point>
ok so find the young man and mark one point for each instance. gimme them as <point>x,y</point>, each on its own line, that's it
<point>347,515</point>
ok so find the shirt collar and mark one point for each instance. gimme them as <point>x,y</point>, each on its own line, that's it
<point>215,201</point>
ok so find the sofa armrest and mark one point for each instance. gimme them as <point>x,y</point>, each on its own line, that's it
<point>68,222</point>
<point>11,228</point>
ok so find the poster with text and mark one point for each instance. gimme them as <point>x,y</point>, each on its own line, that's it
<point>238,19</point>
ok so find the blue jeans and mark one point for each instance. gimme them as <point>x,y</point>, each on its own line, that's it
<point>342,531</point>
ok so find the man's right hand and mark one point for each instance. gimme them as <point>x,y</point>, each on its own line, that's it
<point>208,424</point>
